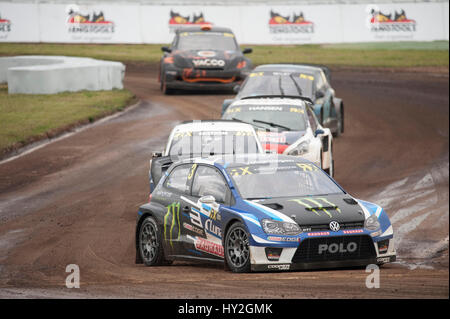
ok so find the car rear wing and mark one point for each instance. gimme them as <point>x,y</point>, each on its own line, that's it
<point>160,164</point>
<point>324,68</point>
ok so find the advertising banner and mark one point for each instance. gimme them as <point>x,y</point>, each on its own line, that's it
<point>19,22</point>
<point>258,24</point>
<point>89,23</point>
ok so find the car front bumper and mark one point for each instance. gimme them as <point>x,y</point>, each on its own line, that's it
<point>195,79</point>
<point>289,259</point>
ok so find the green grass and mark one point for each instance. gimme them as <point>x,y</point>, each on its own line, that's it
<point>115,52</point>
<point>386,54</point>
<point>395,55</point>
<point>27,117</point>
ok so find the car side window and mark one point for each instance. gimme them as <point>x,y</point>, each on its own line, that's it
<point>177,180</point>
<point>173,45</point>
<point>324,78</point>
<point>209,181</point>
<point>320,84</point>
<point>312,119</point>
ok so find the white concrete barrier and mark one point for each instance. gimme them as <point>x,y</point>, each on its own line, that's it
<point>54,74</point>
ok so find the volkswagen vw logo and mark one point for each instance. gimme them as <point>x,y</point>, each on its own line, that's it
<point>334,226</point>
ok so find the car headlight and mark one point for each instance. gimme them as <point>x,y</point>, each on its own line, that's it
<point>300,149</point>
<point>275,227</point>
<point>372,223</point>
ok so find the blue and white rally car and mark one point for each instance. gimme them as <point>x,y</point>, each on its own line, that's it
<point>259,212</point>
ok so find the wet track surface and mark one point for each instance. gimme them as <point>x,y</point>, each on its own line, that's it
<point>75,201</point>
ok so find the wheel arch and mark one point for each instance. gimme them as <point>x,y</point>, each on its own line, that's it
<point>228,224</point>
<point>339,106</point>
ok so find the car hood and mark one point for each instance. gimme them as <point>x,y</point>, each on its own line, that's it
<point>207,59</point>
<point>279,140</point>
<point>316,210</point>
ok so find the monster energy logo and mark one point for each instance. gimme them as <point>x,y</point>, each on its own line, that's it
<point>174,210</point>
<point>316,205</point>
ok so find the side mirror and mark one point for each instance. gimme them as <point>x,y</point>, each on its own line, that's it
<point>156,154</point>
<point>166,49</point>
<point>247,50</point>
<point>319,94</point>
<point>236,88</point>
<point>208,199</point>
<point>318,132</point>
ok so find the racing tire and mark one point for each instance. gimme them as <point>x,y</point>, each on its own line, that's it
<point>150,243</point>
<point>340,123</point>
<point>237,248</point>
<point>164,88</point>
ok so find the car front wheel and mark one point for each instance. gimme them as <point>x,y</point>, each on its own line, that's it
<point>237,248</point>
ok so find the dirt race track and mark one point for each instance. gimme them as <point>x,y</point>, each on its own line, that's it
<point>75,200</point>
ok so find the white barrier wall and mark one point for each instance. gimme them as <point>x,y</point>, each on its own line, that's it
<point>53,74</point>
<point>257,24</point>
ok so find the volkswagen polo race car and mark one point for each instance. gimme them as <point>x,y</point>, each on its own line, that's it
<point>286,125</point>
<point>259,213</point>
<point>203,138</point>
<point>300,80</point>
<point>203,57</point>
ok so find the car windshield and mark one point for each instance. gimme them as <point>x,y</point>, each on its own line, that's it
<point>277,83</point>
<point>221,41</point>
<point>280,117</point>
<point>206,143</point>
<point>281,179</point>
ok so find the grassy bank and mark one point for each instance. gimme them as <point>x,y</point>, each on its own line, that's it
<point>25,118</point>
<point>398,54</point>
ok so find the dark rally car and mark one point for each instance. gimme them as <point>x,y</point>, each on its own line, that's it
<point>203,57</point>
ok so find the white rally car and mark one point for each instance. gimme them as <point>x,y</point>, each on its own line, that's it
<point>286,125</point>
<point>203,139</point>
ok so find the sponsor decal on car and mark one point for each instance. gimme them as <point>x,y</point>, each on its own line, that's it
<point>206,54</point>
<point>321,233</point>
<point>318,205</point>
<point>279,267</point>
<point>172,218</point>
<point>5,27</point>
<point>239,171</point>
<point>208,62</point>
<point>296,110</point>
<point>181,134</point>
<point>353,231</point>
<point>209,247</point>
<point>212,228</point>
<point>383,260</point>
<point>87,23</point>
<point>337,248</point>
<point>265,108</point>
<point>279,238</point>
<point>295,23</point>
<point>193,228</point>
<point>390,22</point>
<point>233,110</point>
<point>271,137</point>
